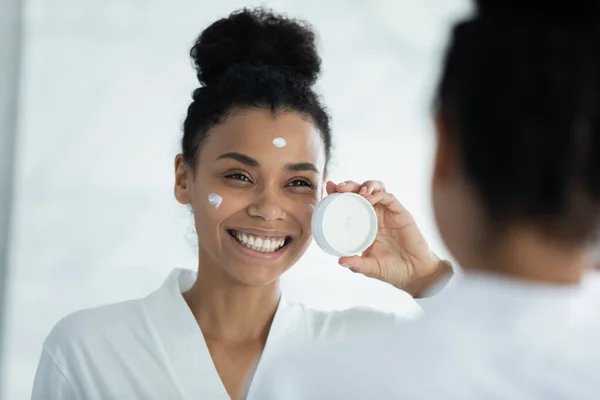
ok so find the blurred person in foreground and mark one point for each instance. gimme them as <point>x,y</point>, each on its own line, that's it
<point>516,195</point>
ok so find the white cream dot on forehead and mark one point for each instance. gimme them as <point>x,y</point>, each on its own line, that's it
<point>215,200</point>
<point>279,142</point>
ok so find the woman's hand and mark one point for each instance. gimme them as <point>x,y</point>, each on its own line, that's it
<point>400,255</point>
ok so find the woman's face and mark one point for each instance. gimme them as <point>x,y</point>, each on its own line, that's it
<point>257,178</point>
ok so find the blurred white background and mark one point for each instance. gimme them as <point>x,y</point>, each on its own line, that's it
<point>104,89</point>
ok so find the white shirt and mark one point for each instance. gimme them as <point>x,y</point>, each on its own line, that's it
<point>486,337</point>
<point>152,348</point>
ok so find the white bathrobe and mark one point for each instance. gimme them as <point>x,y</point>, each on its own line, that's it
<point>152,348</point>
<point>487,337</point>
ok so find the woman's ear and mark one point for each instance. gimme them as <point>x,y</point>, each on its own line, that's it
<point>443,152</point>
<point>182,180</point>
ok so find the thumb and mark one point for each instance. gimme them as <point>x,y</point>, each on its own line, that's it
<point>358,264</point>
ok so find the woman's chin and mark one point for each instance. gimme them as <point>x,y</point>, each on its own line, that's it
<point>253,276</point>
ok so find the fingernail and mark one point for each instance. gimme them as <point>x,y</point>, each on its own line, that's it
<point>342,184</point>
<point>363,190</point>
<point>345,265</point>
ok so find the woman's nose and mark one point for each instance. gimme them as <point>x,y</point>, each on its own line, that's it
<point>268,206</point>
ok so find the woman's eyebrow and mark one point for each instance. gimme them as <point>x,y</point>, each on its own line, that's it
<point>302,166</point>
<point>247,160</point>
<point>244,159</point>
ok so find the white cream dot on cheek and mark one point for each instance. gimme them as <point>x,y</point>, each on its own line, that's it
<point>279,142</point>
<point>215,200</point>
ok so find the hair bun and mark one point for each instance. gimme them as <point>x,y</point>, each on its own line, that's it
<point>542,9</point>
<point>256,37</point>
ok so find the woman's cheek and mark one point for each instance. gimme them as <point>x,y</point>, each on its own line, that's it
<point>220,202</point>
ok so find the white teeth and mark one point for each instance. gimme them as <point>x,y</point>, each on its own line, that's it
<point>262,244</point>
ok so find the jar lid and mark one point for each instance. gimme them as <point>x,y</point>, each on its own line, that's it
<point>344,224</point>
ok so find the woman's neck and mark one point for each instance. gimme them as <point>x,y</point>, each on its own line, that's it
<point>528,255</point>
<point>231,311</point>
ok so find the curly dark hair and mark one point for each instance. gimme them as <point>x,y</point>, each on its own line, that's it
<point>520,94</point>
<point>253,59</point>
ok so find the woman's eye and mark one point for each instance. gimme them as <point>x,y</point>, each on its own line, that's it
<point>238,177</point>
<point>300,183</point>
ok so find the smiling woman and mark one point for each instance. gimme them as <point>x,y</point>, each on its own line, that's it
<point>253,163</point>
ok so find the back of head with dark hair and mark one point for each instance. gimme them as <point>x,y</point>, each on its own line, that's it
<point>520,95</point>
<point>253,59</point>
